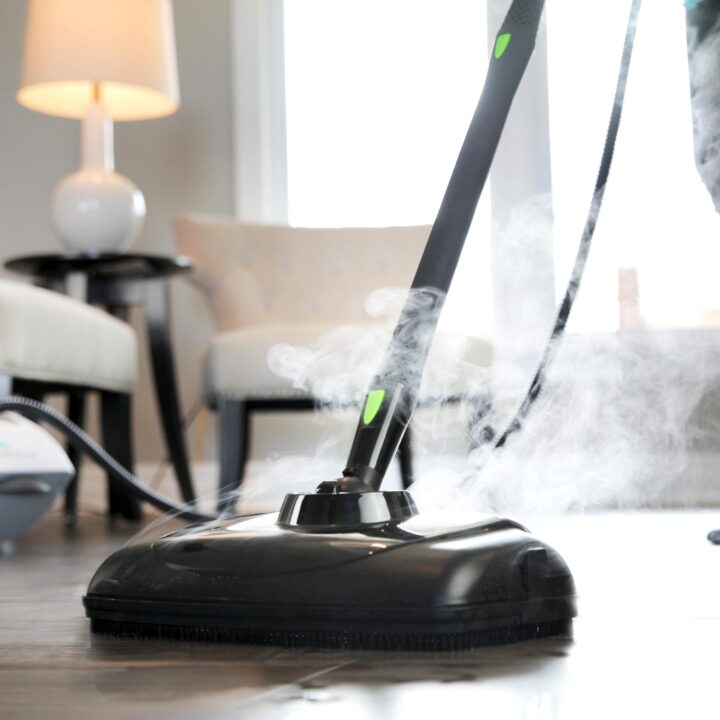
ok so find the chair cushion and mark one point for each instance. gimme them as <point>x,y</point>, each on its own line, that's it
<point>48,337</point>
<point>267,274</point>
<point>330,363</point>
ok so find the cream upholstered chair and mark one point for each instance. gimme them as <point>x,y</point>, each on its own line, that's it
<point>50,343</point>
<point>280,284</point>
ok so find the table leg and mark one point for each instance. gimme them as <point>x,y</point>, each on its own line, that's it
<point>234,427</point>
<point>116,421</point>
<point>76,413</point>
<point>157,313</point>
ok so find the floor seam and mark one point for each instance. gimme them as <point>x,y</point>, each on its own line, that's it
<point>280,688</point>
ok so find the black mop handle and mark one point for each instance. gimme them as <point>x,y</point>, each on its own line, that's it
<point>393,393</point>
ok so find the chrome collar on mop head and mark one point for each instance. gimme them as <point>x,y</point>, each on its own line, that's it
<point>330,511</point>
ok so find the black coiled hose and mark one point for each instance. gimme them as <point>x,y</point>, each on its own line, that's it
<point>563,312</point>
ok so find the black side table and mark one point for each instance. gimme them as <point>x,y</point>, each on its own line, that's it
<point>118,282</point>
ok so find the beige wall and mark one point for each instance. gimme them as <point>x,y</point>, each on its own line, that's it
<point>181,163</point>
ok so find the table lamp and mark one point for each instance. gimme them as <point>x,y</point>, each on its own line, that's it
<point>99,61</point>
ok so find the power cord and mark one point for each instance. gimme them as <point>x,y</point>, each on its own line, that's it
<point>80,440</point>
<point>563,313</point>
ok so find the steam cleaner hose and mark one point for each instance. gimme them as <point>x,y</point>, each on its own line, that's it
<point>581,257</point>
<point>80,440</point>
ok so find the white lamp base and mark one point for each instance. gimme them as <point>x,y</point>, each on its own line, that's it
<point>97,210</point>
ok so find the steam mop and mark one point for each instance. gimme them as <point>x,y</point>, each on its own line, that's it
<point>351,565</point>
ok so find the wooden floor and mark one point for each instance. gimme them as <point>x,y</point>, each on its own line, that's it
<point>646,645</point>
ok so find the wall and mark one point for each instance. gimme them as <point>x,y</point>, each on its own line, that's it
<point>183,162</point>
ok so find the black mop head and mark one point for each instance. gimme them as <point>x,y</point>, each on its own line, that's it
<point>414,585</point>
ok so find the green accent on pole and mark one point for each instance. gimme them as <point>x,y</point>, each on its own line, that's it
<point>501,44</point>
<point>372,405</point>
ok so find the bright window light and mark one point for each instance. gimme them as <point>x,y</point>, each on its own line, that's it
<point>658,218</point>
<point>379,94</point>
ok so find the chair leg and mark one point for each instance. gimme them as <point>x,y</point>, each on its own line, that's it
<point>405,459</point>
<point>157,313</point>
<point>117,437</point>
<point>234,432</point>
<point>76,413</point>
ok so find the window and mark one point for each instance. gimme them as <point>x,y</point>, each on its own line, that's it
<point>379,95</point>
<point>657,217</point>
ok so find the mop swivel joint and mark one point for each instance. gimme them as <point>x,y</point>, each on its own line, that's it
<point>345,511</point>
<point>345,484</point>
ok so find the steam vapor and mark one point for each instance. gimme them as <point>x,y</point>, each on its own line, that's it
<point>614,426</point>
<point>703,29</point>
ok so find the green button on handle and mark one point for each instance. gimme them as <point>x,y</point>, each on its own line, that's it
<point>501,44</point>
<point>372,405</point>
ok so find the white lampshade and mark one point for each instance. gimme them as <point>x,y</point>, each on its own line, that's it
<point>125,49</point>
